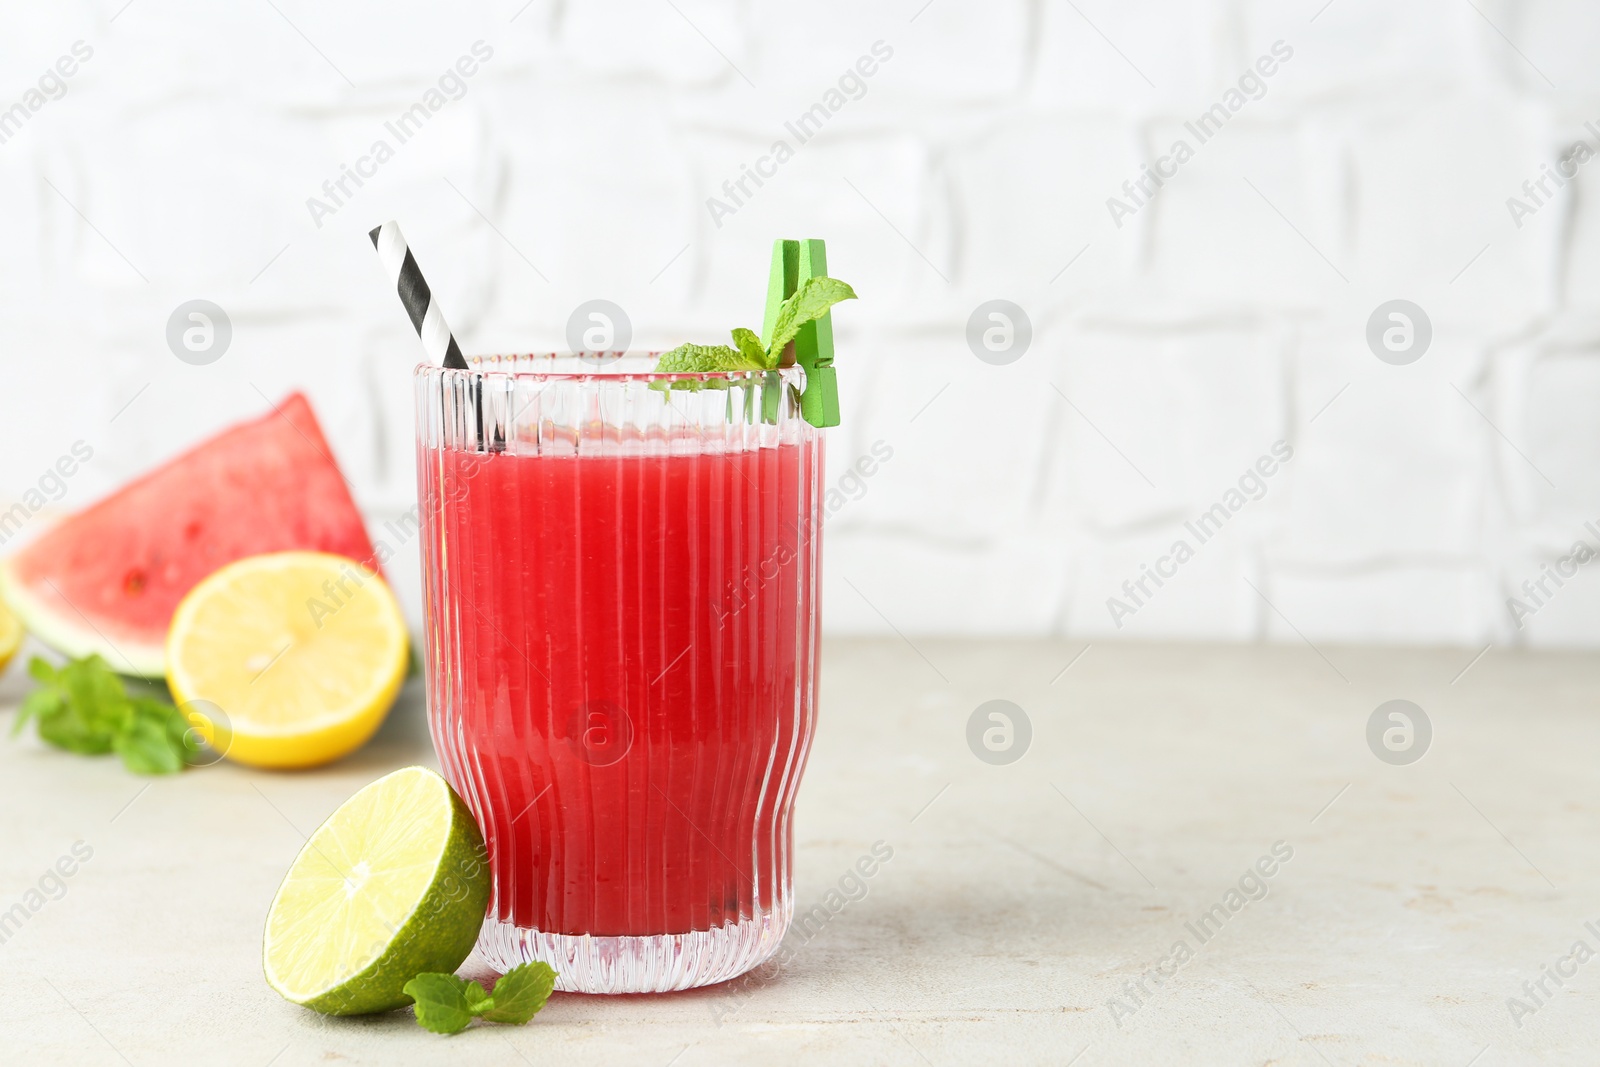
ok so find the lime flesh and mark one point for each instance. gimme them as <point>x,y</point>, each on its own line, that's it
<point>395,883</point>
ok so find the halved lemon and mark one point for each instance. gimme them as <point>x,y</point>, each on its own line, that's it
<point>290,659</point>
<point>10,636</point>
<point>394,884</point>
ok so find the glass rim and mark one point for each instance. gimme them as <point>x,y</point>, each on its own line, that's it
<point>476,368</point>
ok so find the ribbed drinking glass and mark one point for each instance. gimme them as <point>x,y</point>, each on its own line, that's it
<point>621,581</point>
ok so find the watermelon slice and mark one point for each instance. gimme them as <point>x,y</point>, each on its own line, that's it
<point>108,579</point>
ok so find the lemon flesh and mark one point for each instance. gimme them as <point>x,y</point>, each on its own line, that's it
<point>395,883</point>
<point>295,657</point>
<point>10,636</point>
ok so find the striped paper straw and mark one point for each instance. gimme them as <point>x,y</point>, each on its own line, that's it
<point>437,340</point>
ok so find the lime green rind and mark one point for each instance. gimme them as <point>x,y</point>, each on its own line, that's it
<point>437,935</point>
<point>73,639</point>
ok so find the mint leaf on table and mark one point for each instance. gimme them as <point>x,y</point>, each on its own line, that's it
<point>83,707</point>
<point>40,704</point>
<point>477,996</point>
<point>445,1004</point>
<point>147,743</point>
<point>66,710</point>
<point>441,1002</point>
<point>520,993</point>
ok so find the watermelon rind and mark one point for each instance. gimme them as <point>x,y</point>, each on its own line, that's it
<point>128,656</point>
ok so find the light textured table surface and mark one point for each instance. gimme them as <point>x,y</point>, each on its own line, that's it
<point>1019,901</point>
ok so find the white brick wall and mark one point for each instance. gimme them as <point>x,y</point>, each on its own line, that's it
<point>1221,318</point>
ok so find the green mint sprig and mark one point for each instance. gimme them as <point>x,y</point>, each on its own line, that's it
<point>809,302</point>
<point>82,707</point>
<point>445,1004</point>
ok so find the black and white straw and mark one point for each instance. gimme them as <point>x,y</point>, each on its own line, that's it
<point>428,320</point>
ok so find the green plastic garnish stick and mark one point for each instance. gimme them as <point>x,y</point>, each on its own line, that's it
<point>797,328</point>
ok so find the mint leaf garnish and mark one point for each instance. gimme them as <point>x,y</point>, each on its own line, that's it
<point>82,707</point>
<point>445,1004</point>
<point>441,1002</point>
<point>703,359</point>
<point>520,993</point>
<point>750,347</point>
<point>810,302</point>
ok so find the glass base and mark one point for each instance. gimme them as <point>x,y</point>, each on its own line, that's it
<point>649,964</point>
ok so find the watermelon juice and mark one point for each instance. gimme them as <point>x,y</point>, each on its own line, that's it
<point>621,672</point>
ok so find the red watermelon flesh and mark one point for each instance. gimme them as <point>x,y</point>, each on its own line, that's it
<point>108,579</point>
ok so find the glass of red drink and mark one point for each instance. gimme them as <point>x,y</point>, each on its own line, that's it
<point>621,582</point>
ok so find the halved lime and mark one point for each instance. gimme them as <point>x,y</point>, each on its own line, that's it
<point>393,884</point>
